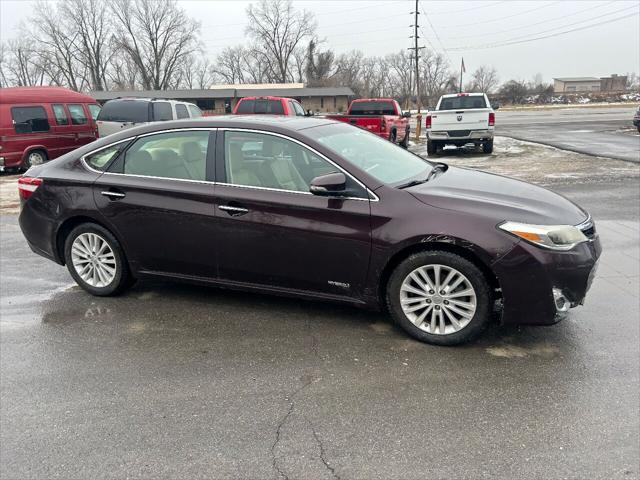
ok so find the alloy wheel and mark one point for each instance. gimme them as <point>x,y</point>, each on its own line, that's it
<point>35,158</point>
<point>438,299</point>
<point>93,259</point>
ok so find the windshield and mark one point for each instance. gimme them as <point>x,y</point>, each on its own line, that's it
<point>462,103</point>
<point>378,157</point>
<point>372,108</point>
<point>135,111</point>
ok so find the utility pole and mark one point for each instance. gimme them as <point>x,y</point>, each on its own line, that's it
<point>416,50</point>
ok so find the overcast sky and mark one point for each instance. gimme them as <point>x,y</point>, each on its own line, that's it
<point>602,43</point>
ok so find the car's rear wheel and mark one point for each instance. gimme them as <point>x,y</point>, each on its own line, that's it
<point>33,158</point>
<point>487,147</point>
<point>432,147</point>
<point>439,297</point>
<point>96,260</point>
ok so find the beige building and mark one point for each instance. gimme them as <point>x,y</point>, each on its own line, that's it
<point>614,83</point>
<point>221,99</point>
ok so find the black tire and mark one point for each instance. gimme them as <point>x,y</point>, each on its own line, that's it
<point>34,157</point>
<point>473,275</point>
<point>487,147</point>
<point>122,278</point>
<point>432,147</point>
<point>392,136</point>
<point>405,141</point>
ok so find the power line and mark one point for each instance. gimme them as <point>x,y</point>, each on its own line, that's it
<point>492,20</point>
<point>478,47</point>
<point>521,27</point>
<point>464,10</point>
<point>444,50</point>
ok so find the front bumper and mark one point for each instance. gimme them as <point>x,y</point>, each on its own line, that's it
<point>539,286</point>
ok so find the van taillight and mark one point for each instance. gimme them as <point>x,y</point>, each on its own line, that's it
<point>427,122</point>
<point>492,119</point>
<point>28,185</point>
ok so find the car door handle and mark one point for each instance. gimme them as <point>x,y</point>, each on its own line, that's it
<point>233,211</point>
<point>113,195</point>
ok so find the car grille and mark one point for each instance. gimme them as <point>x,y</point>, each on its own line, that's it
<point>459,133</point>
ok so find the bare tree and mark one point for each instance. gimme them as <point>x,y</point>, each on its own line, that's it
<point>92,33</point>
<point>278,30</point>
<point>348,67</point>
<point>197,74</point>
<point>22,65</point>
<point>514,91</point>
<point>435,76</point>
<point>158,37</point>
<point>319,65</point>
<point>123,74</point>
<point>484,79</point>
<point>400,73</point>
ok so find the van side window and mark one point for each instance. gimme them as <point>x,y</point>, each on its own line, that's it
<point>60,114</point>
<point>94,110</point>
<point>162,111</point>
<point>181,111</point>
<point>77,115</point>
<point>30,119</point>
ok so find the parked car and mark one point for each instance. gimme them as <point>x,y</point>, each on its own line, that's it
<point>122,113</point>
<point>382,116</point>
<point>460,119</point>
<point>41,123</point>
<point>636,119</point>
<point>269,106</point>
<point>311,208</point>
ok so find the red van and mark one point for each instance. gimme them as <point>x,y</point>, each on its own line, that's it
<point>41,123</point>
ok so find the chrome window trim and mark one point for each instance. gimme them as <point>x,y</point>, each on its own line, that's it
<point>372,196</point>
<point>83,158</point>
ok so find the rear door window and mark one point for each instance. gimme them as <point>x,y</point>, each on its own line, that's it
<point>30,119</point>
<point>181,111</point>
<point>78,116</point>
<point>126,111</point>
<point>162,111</point>
<point>180,155</point>
<point>462,103</point>
<point>100,159</point>
<point>60,114</point>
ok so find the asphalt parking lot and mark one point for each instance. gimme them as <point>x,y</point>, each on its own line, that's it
<point>177,381</point>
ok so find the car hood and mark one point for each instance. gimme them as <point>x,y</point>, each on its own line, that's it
<point>502,198</point>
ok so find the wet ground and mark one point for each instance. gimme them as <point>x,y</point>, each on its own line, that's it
<point>176,381</point>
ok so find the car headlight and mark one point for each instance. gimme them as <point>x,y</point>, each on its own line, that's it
<point>556,237</point>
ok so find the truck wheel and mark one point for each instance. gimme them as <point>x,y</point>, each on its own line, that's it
<point>487,147</point>
<point>431,147</point>
<point>405,141</point>
<point>392,136</point>
<point>35,157</point>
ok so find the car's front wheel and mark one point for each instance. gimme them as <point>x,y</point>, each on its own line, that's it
<point>33,158</point>
<point>439,297</point>
<point>96,260</point>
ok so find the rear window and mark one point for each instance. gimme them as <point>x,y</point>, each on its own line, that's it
<point>372,108</point>
<point>30,119</point>
<point>462,103</point>
<point>162,111</point>
<point>94,110</point>
<point>130,111</point>
<point>181,111</point>
<point>269,107</point>
<point>195,111</point>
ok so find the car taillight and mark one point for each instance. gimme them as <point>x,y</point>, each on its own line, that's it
<point>427,122</point>
<point>383,124</point>
<point>492,119</point>
<point>28,185</point>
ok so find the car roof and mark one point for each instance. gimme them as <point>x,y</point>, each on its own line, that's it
<point>265,97</point>
<point>463,94</point>
<point>17,95</point>
<point>145,99</point>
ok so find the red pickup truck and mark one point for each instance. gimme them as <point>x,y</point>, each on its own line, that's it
<point>382,116</point>
<point>269,106</point>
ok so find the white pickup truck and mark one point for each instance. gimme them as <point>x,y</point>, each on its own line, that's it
<point>459,119</point>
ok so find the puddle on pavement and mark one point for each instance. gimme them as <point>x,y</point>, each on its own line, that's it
<point>543,350</point>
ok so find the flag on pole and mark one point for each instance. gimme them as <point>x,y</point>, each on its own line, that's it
<point>464,70</point>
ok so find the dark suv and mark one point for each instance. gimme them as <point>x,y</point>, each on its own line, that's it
<point>316,209</point>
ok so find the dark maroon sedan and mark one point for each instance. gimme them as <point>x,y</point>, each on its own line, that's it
<point>312,208</point>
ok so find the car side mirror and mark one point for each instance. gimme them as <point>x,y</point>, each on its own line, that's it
<point>495,106</point>
<point>309,113</point>
<point>406,114</point>
<point>332,184</point>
